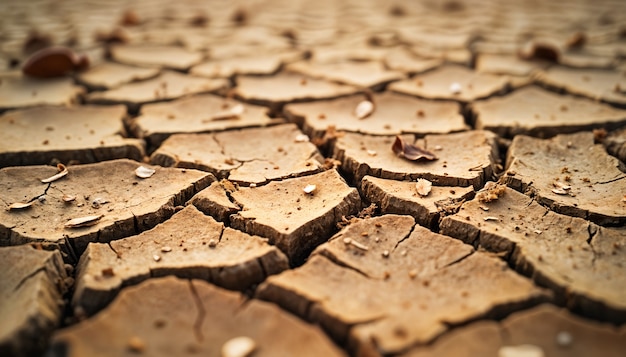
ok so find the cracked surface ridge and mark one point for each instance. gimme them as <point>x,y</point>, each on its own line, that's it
<point>581,262</point>
<point>109,189</point>
<point>188,245</point>
<point>175,317</point>
<point>384,283</point>
<point>570,175</point>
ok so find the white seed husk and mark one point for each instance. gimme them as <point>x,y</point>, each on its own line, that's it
<point>309,189</point>
<point>85,221</point>
<point>62,172</point>
<point>491,218</point>
<point>521,351</point>
<point>232,113</point>
<point>455,88</point>
<point>241,346</point>
<point>364,109</point>
<point>68,198</point>
<point>20,205</point>
<point>144,172</point>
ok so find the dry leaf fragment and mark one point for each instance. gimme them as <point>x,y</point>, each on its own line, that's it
<point>364,109</point>
<point>54,62</point>
<point>411,152</point>
<point>144,172</point>
<point>309,189</point>
<point>62,172</point>
<point>423,187</point>
<point>241,346</point>
<point>20,205</point>
<point>83,221</point>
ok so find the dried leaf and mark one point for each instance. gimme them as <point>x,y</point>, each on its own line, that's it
<point>144,172</point>
<point>364,109</point>
<point>423,187</point>
<point>62,172</point>
<point>411,152</point>
<point>83,221</point>
<point>20,205</point>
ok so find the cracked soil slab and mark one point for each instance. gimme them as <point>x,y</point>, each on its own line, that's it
<point>17,91</point>
<point>393,114</point>
<point>243,156</point>
<point>401,197</point>
<point>293,220</point>
<point>582,262</point>
<point>264,64</point>
<point>195,114</point>
<point>361,74</point>
<point>384,284</point>
<point>109,75</point>
<point>126,203</point>
<point>84,134</point>
<point>32,288</point>
<point>285,87</point>
<point>556,331</point>
<point>605,85</point>
<point>570,175</point>
<point>167,86</point>
<point>174,317</point>
<point>171,57</point>
<point>537,112</point>
<point>464,159</point>
<point>214,201</point>
<point>188,245</point>
<point>452,83</point>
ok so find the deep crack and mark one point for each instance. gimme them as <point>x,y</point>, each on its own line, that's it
<point>197,325</point>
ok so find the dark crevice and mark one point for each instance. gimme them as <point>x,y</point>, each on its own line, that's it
<point>404,238</point>
<point>459,259</point>
<point>119,256</point>
<point>334,259</point>
<point>197,325</point>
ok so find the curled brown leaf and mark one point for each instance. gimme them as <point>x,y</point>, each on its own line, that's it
<point>411,152</point>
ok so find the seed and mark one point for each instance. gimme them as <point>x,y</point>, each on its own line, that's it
<point>491,218</point>
<point>135,344</point>
<point>157,258</point>
<point>68,198</point>
<point>364,234</point>
<point>309,189</point>
<point>62,172</point>
<point>412,274</point>
<point>455,88</point>
<point>364,109</point>
<point>20,205</point>
<point>521,350</point>
<point>144,172</point>
<point>385,254</point>
<point>83,221</point>
<point>564,338</point>
<point>301,138</point>
<point>212,243</point>
<point>241,346</point>
<point>166,249</point>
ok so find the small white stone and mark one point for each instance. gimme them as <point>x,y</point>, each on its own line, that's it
<point>309,189</point>
<point>241,346</point>
<point>157,258</point>
<point>301,138</point>
<point>521,351</point>
<point>564,338</point>
<point>364,109</point>
<point>144,172</point>
<point>455,88</point>
<point>372,153</point>
<point>423,187</point>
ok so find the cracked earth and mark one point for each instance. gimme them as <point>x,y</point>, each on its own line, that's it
<point>221,178</point>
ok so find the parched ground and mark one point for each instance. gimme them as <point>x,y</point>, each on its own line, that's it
<point>313,178</point>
